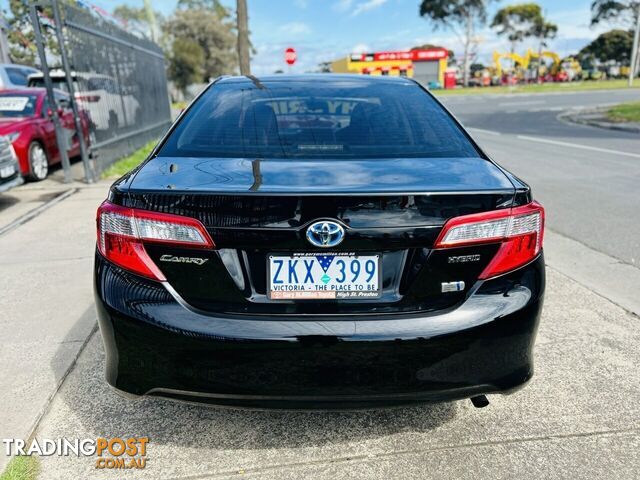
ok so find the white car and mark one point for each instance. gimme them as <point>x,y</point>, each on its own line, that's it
<point>100,95</point>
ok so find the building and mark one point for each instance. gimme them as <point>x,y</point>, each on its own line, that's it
<point>424,65</point>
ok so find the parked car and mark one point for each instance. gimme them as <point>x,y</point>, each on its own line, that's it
<point>15,76</point>
<point>109,107</point>
<point>9,168</point>
<point>25,118</point>
<point>320,241</point>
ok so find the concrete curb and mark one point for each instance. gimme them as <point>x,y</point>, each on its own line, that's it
<point>594,117</point>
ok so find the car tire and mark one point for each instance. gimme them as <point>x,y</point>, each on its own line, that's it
<point>38,162</point>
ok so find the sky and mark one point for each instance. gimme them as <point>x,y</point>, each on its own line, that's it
<point>324,30</point>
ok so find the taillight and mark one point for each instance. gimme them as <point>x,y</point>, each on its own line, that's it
<point>519,231</point>
<point>88,98</point>
<point>122,233</point>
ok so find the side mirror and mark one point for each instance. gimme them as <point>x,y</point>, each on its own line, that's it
<point>49,113</point>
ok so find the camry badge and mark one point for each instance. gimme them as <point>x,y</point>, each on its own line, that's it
<point>325,233</point>
<point>194,260</point>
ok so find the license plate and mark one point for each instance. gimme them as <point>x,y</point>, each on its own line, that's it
<point>323,276</point>
<point>7,171</point>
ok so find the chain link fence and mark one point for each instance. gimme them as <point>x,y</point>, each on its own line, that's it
<point>118,78</point>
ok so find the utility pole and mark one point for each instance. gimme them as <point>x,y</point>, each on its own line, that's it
<point>243,37</point>
<point>4,44</point>
<point>151,18</point>
<point>634,51</point>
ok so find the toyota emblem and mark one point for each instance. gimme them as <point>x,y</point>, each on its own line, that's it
<point>325,233</point>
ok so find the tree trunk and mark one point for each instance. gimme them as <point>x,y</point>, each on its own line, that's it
<point>151,18</point>
<point>539,66</point>
<point>634,49</point>
<point>243,37</point>
<point>4,44</point>
<point>467,44</point>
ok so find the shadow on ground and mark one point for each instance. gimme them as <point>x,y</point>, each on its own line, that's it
<point>103,413</point>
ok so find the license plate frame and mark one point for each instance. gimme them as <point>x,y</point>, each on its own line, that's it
<point>342,295</point>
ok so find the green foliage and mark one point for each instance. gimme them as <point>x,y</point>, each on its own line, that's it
<point>138,19</point>
<point>537,88</point>
<point>461,16</point>
<point>213,34</point>
<point>211,5</point>
<point>612,45</point>
<point>22,43</point>
<point>623,12</point>
<point>128,163</point>
<point>447,13</point>
<point>476,67</point>
<point>517,22</point>
<point>22,467</point>
<point>625,112</point>
<point>186,64</point>
<point>130,14</point>
<point>544,30</point>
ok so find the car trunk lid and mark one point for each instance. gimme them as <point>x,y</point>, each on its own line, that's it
<point>394,208</point>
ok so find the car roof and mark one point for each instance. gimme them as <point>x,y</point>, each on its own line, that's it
<point>3,65</point>
<point>316,78</point>
<point>31,91</point>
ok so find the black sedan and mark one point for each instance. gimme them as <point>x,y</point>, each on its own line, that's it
<point>318,242</point>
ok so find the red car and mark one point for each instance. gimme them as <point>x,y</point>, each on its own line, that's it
<point>25,118</point>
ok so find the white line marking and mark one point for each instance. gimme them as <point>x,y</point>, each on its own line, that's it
<point>36,211</point>
<point>575,145</point>
<point>527,102</point>
<point>480,130</point>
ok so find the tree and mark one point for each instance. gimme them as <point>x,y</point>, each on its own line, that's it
<point>517,22</point>
<point>521,21</point>
<point>22,42</point>
<point>543,30</point>
<point>212,5</point>
<point>242,18</point>
<point>463,17</point>
<point>186,63</point>
<point>476,67</point>
<point>612,45</point>
<point>626,12</point>
<point>212,33</point>
<point>139,19</point>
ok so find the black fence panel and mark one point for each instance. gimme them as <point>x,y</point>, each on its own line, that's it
<point>119,79</point>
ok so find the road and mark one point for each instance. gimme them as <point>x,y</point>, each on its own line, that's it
<point>588,178</point>
<point>578,418</point>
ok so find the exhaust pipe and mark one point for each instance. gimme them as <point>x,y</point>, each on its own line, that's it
<point>480,401</point>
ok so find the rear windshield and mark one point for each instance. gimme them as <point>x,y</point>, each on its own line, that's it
<point>341,119</point>
<point>12,105</point>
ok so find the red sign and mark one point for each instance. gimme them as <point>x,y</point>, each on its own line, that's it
<point>290,56</point>
<point>413,55</point>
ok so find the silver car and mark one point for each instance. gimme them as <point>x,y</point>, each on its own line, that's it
<point>9,170</point>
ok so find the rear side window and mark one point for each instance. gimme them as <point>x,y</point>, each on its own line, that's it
<point>17,76</point>
<point>341,119</point>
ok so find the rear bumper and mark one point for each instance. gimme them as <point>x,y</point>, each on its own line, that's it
<point>157,346</point>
